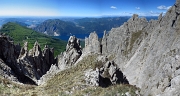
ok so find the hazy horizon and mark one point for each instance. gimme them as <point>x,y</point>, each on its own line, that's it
<point>83,8</point>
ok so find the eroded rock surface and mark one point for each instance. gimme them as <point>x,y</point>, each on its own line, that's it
<point>147,52</point>
<point>111,72</point>
<point>108,74</point>
<point>65,60</point>
<point>8,55</point>
<point>72,53</point>
<point>92,44</point>
<point>35,63</point>
<point>23,65</point>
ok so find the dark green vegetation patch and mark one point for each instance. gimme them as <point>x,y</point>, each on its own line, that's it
<point>21,34</point>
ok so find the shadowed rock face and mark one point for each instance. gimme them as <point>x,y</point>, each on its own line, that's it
<point>26,66</point>
<point>9,67</point>
<point>8,56</point>
<point>35,63</point>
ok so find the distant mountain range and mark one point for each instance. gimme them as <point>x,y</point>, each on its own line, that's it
<point>56,27</point>
<point>69,26</point>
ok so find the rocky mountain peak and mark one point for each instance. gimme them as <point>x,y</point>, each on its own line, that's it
<point>24,50</point>
<point>92,44</point>
<point>149,49</point>
<point>29,66</point>
<point>134,17</point>
<point>36,51</point>
<point>73,42</point>
<point>72,53</point>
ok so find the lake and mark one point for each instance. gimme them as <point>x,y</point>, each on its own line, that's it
<point>79,36</point>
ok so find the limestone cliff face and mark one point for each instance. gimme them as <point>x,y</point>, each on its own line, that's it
<point>148,52</point>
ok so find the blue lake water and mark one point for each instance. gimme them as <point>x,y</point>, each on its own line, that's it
<point>80,36</point>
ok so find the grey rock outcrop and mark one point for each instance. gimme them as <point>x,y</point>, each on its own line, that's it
<point>65,60</point>
<point>6,71</point>
<point>92,77</point>
<point>121,38</point>
<point>72,53</point>
<point>105,76</point>
<point>111,72</point>
<point>35,63</point>
<point>92,44</point>
<point>177,5</point>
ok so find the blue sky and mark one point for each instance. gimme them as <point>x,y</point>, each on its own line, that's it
<point>83,8</point>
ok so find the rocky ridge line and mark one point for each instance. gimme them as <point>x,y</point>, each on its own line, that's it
<point>147,52</point>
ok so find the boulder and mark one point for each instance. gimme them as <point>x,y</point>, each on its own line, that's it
<point>92,77</point>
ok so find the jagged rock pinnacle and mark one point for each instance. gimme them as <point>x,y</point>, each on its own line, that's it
<point>72,53</point>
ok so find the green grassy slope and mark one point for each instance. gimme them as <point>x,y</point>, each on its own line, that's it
<point>21,34</point>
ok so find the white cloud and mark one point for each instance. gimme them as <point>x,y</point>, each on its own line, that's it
<point>151,12</point>
<point>138,8</point>
<point>113,7</point>
<point>162,7</point>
